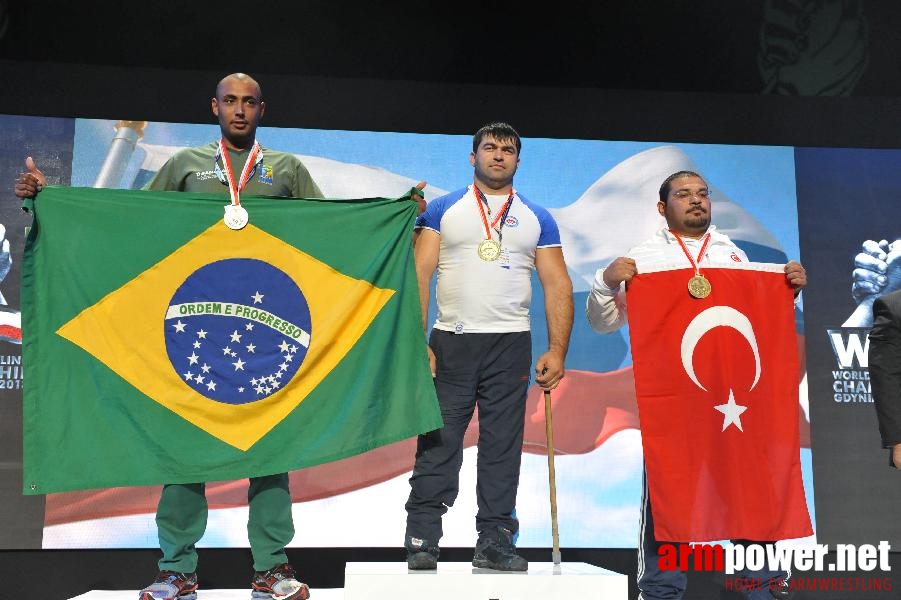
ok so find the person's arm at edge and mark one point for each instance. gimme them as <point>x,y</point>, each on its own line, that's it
<point>426,246</point>
<point>885,374</point>
<point>558,309</point>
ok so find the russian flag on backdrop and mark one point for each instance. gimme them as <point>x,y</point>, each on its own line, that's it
<point>717,389</point>
<point>10,326</point>
<point>165,347</point>
<point>595,401</point>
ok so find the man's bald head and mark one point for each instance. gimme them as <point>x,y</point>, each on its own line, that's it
<point>238,77</point>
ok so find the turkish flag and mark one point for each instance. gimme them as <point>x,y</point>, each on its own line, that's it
<point>716,380</point>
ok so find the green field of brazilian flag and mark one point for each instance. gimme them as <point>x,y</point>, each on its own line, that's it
<point>163,347</point>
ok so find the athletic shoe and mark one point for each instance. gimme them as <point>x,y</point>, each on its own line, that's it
<point>496,551</point>
<point>170,585</point>
<point>278,583</point>
<point>781,588</point>
<point>421,554</point>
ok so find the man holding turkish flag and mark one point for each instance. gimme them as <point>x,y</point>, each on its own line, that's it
<point>715,363</point>
<point>716,377</point>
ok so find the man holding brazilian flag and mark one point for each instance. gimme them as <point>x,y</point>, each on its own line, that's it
<point>168,344</point>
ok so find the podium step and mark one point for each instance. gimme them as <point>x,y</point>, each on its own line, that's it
<point>461,581</point>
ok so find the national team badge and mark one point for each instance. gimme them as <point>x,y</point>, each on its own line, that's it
<point>266,174</point>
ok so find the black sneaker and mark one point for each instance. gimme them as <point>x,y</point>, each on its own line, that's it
<point>498,552</point>
<point>781,588</point>
<point>421,555</point>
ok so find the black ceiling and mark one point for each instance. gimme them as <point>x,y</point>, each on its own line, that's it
<point>799,47</point>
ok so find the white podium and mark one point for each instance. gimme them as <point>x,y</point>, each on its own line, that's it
<point>461,581</point>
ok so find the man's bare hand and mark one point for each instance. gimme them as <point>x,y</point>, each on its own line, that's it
<point>31,181</point>
<point>420,198</point>
<point>620,270</point>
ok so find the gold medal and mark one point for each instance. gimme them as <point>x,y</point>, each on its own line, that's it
<point>489,250</point>
<point>698,286</point>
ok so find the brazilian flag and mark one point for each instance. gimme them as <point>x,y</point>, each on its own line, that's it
<point>164,347</point>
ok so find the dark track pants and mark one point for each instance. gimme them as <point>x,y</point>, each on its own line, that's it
<point>489,371</point>
<point>657,584</point>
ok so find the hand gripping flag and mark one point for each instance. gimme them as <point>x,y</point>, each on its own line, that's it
<point>164,347</point>
<point>717,390</point>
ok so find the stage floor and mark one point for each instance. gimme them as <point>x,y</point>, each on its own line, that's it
<point>315,594</point>
<point>450,581</point>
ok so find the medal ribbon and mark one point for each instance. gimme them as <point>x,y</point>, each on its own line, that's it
<point>694,262</point>
<point>250,165</point>
<point>482,201</point>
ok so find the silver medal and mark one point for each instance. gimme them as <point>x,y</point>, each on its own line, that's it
<point>235,216</point>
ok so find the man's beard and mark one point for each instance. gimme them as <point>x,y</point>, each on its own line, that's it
<point>701,221</point>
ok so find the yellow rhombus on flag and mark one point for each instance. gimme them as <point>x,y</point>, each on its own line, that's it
<point>126,330</point>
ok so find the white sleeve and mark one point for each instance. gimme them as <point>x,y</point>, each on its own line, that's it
<point>606,307</point>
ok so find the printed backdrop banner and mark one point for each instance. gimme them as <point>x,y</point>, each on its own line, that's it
<point>595,409</point>
<point>850,227</point>
<point>49,141</point>
<point>716,382</point>
<point>167,348</point>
